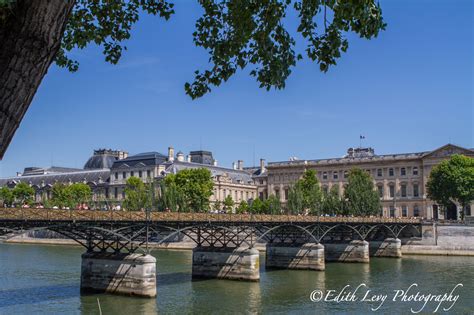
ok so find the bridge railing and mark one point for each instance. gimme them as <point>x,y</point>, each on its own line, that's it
<point>97,215</point>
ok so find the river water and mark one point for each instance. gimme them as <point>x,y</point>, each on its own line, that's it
<point>38,279</point>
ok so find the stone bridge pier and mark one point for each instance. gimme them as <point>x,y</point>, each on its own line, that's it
<point>390,247</point>
<point>124,274</point>
<point>233,263</point>
<point>307,256</point>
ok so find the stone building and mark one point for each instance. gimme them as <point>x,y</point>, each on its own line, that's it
<point>153,165</point>
<point>400,178</point>
<point>107,171</point>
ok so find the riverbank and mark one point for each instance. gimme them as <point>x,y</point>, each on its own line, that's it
<point>437,250</point>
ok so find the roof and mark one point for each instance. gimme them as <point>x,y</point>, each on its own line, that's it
<point>373,158</point>
<point>236,176</point>
<point>146,158</point>
<point>100,161</point>
<point>89,176</point>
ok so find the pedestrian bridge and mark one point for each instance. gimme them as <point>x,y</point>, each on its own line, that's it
<point>117,242</point>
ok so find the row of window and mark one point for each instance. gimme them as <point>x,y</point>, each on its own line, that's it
<point>132,173</point>
<point>416,211</point>
<point>379,172</point>
<point>403,190</point>
<point>235,195</point>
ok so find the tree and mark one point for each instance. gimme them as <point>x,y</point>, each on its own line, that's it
<point>332,202</point>
<point>137,196</point>
<point>171,198</point>
<point>257,206</point>
<point>60,196</point>
<point>296,199</point>
<point>361,198</point>
<point>236,34</point>
<point>311,191</point>
<point>79,193</point>
<point>243,207</point>
<point>272,205</point>
<point>196,186</point>
<point>217,205</point>
<point>6,196</point>
<point>228,203</point>
<point>452,180</point>
<point>23,193</point>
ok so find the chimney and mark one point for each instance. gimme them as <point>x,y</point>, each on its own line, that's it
<point>170,154</point>
<point>180,156</point>
<point>234,165</point>
<point>214,163</point>
<point>262,166</point>
<point>240,165</point>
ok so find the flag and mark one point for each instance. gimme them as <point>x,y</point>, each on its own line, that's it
<point>362,137</point>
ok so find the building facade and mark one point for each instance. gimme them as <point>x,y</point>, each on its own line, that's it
<point>107,171</point>
<point>399,178</point>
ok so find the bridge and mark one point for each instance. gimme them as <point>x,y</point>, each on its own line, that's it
<point>117,255</point>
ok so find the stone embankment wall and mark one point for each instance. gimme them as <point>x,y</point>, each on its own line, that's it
<point>442,239</point>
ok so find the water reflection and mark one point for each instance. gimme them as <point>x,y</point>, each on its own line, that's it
<point>110,304</point>
<point>46,279</point>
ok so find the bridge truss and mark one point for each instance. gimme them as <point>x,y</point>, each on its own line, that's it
<point>106,231</point>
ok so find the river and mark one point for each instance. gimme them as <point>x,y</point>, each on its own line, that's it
<point>40,279</point>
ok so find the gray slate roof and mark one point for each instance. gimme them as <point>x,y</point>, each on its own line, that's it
<point>89,176</point>
<point>147,158</point>
<point>236,176</point>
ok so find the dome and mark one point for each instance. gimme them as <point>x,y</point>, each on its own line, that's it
<point>100,162</point>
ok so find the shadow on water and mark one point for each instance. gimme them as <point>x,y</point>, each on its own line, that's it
<point>37,294</point>
<point>165,279</point>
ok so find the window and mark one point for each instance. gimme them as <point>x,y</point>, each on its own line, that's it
<point>416,211</point>
<point>116,175</point>
<point>123,194</point>
<point>140,173</point>
<point>148,173</point>
<point>404,211</point>
<point>346,174</point>
<point>416,192</point>
<point>392,211</point>
<point>286,193</point>
<point>379,172</point>
<point>124,175</point>
<point>260,195</point>
<point>325,175</point>
<point>403,189</point>
<point>335,175</point>
<point>390,172</point>
<point>380,188</point>
<point>277,193</point>
<point>403,171</point>
<point>132,173</point>
<point>116,192</point>
<point>392,191</point>
<point>261,182</point>
<point>107,195</point>
<point>415,170</point>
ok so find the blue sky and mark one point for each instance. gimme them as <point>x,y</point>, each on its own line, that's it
<point>408,90</point>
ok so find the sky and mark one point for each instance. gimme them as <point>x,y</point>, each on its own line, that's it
<point>408,90</point>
